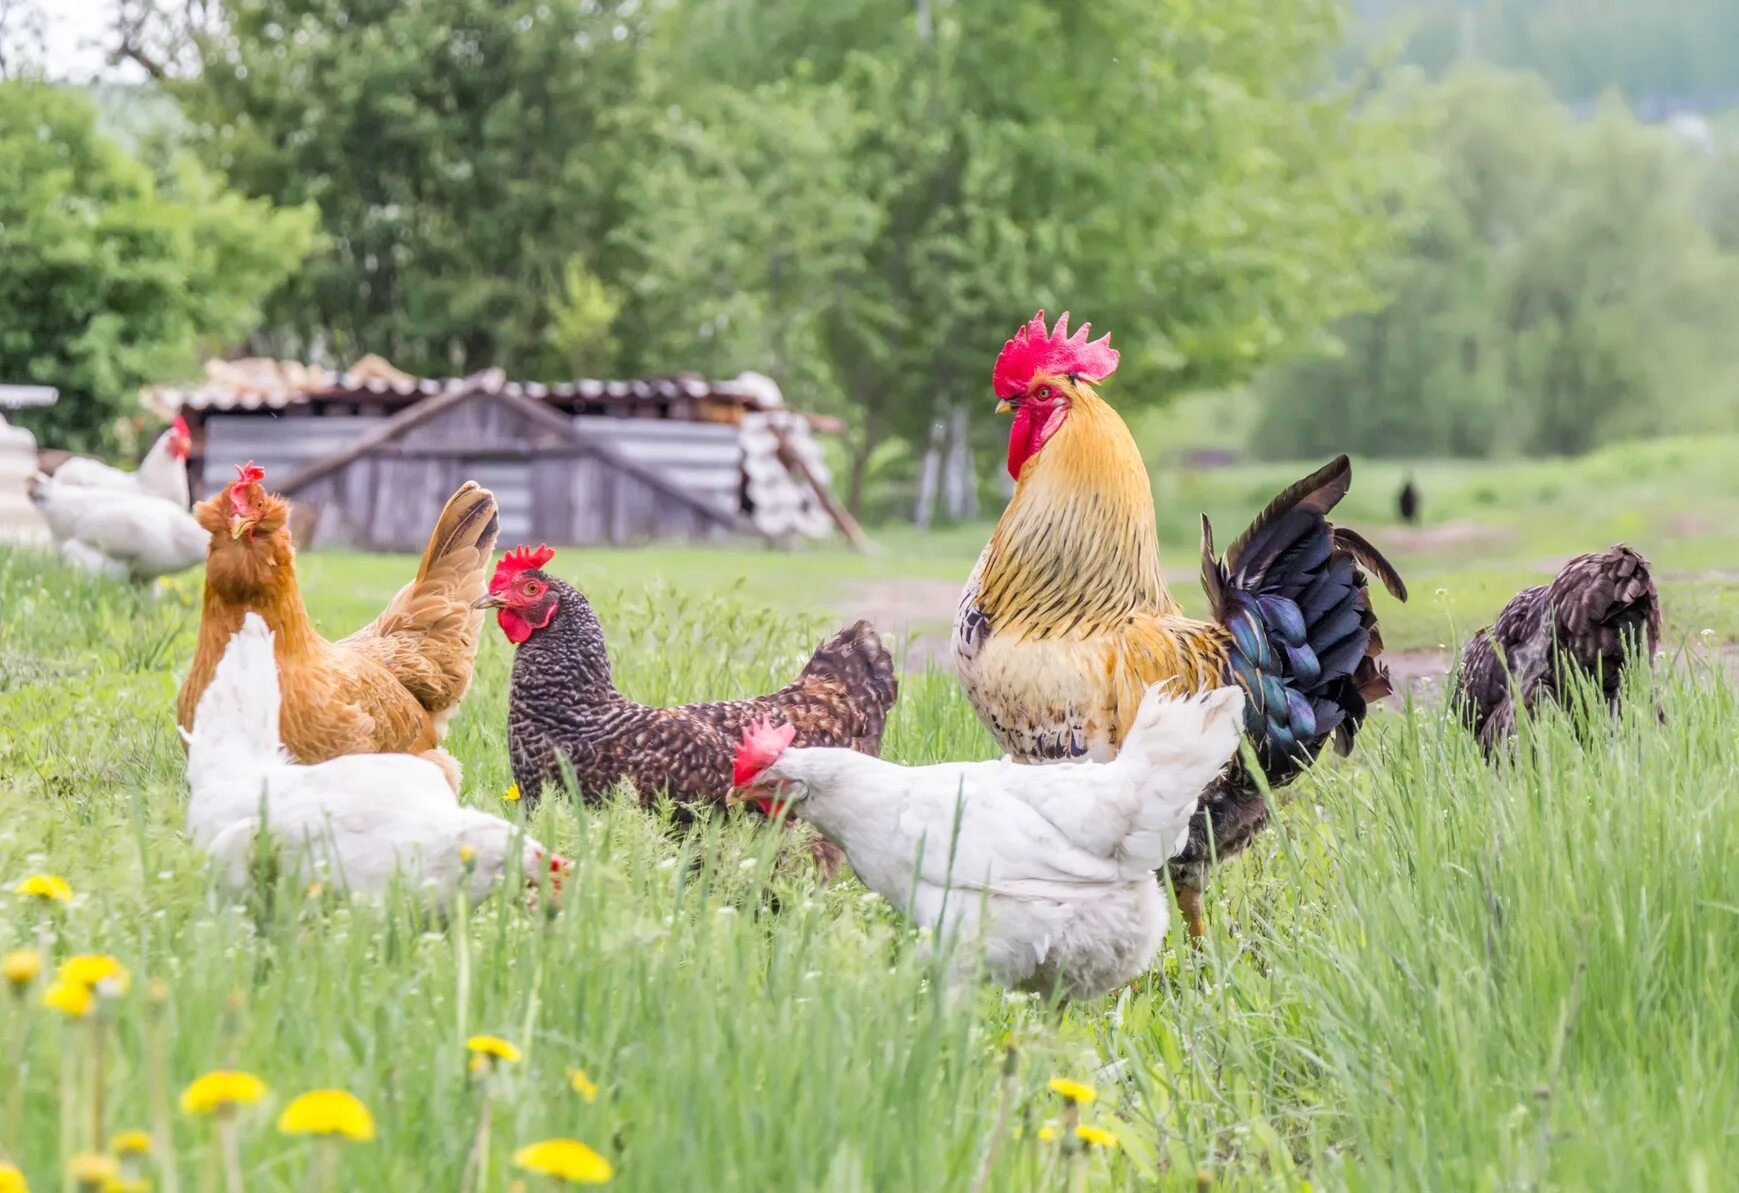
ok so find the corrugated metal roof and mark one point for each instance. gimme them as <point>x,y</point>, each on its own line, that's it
<point>12,397</point>
<point>274,385</point>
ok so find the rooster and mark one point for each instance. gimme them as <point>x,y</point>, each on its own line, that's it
<point>563,706</point>
<point>115,533</point>
<point>1066,620</point>
<point>1598,609</point>
<point>362,818</point>
<point>1046,870</point>
<point>390,687</point>
<point>162,473</point>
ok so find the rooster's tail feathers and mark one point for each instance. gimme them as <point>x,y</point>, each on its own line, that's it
<point>859,664</point>
<point>239,707</point>
<point>1304,643</point>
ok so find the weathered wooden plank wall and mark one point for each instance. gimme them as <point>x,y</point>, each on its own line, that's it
<point>389,500</point>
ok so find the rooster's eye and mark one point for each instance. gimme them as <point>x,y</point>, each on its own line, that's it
<point>1044,391</point>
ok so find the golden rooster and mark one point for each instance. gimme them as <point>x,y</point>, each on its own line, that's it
<point>390,687</point>
<point>1067,620</point>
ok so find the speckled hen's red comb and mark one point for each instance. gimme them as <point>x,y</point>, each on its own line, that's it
<point>249,473</point>
<point>1034,350</point>
<point>763,742</point>
<point>517,560</point>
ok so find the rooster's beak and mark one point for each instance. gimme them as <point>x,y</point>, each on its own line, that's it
<point>1004,406</point>
<point>239,526</point>
<point>738,797</point>
<point>489,600</point>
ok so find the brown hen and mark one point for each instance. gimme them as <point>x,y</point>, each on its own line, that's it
<point>389,688</point>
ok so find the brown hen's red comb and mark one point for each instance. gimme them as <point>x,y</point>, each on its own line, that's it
<point>249,473</point>
<point>1034,350</point>
<point>517,560</point>
<point>762,744</point>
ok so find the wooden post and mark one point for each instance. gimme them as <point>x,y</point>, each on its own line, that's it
<point>841,516</point>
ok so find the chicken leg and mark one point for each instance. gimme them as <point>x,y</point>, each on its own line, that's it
<point>1189,902</point>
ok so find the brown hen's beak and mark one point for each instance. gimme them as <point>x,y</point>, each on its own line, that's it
<point>489,600</point>
<point>1004,406</point>
<point>239,525</point>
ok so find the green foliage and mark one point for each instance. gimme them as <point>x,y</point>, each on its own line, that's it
<point>112,276</point>
<point>1560,291</point>
<point>858,199</point>
<point>460,152</point>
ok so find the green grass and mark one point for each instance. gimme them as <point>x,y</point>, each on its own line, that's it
<point>1430,974</point>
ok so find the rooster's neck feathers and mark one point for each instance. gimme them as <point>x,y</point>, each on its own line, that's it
<point>1076,546</point>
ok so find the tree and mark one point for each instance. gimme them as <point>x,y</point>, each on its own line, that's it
<point>1560,291</point>
<point>1174,173</point>
<point>112,276</point>
<point>461,153</point>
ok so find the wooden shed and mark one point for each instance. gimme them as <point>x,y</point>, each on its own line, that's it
<point>369,455</point>
<point>19,521</point>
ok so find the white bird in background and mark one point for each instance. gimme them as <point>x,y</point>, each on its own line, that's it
<point>1047,871</point>
<point>118,533</point>
<point>162,473</point>
<point>362,818</point>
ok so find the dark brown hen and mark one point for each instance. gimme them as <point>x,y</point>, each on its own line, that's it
<point>563,704</point>
<point>1588,619</point>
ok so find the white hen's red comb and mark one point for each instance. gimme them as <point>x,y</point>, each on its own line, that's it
<point>763,742</point>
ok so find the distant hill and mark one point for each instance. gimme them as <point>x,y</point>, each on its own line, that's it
<point>1665,56</point>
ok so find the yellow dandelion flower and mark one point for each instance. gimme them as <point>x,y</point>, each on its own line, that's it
<point>12,1180</point>
<point>492,1048</point>
<point>97,972</point>
<point>127,1184</point>
<point>21,966</point>
<point>50,888</point>
<point>467,853</point>
<point>131,1143</point>
<point>1097,1136</point>
<point>69,999</point>
<point>93,1170</point>
<point>565,1159</point>
<point>511,795</point>
<point>328,1112</point>
<point>1078,1092</point>
<point>221,1091</point>
<point>1047,1133</point>
<point>583,1085</point>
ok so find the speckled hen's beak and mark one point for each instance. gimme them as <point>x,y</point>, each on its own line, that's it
<point>489,600</point>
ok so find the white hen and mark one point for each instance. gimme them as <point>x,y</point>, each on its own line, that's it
<point>362,817</point>
<point>116,532</point>
<point>1047,871</point>
<point>162,473</point>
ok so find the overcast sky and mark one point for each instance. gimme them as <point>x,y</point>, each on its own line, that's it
<point>73,32</point>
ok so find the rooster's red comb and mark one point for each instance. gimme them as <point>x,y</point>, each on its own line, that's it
<point>763,742</point>
<point>1035,350</point>
<point>249,473</point>
<point>517,560</point>
<point>179,426</point>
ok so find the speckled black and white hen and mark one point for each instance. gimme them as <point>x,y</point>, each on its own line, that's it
<point>563,703</point>
<point>1588,619</point>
